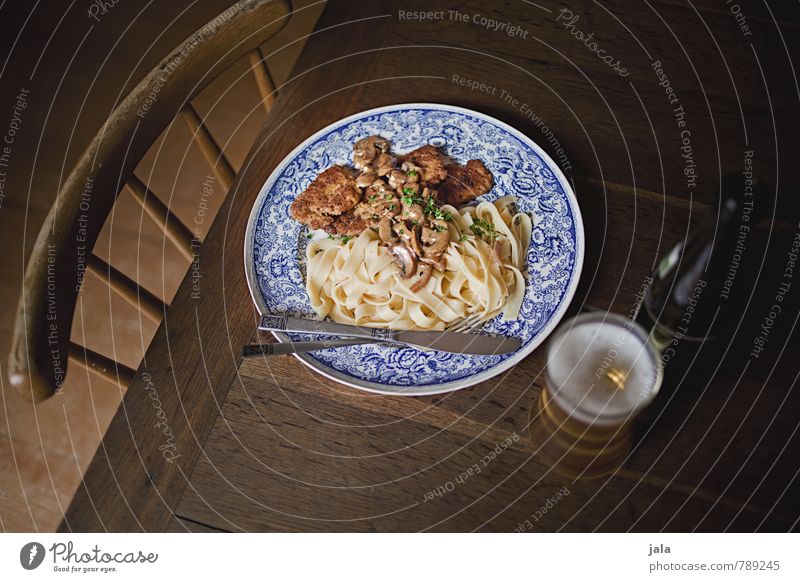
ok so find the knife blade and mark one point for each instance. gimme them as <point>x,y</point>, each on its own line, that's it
<point>443,341</point>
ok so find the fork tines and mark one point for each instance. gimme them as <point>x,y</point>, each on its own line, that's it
<point>466,324</point>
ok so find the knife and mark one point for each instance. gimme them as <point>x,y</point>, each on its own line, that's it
<point>443,341</point>
<point>280,349</point>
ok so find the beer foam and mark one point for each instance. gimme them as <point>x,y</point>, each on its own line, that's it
<point>579,361</point>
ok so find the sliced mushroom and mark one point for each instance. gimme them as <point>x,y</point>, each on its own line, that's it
<point>413,172</point>
<point>385,230</point>
<point>366,150</point>
<point>412,212</point>
<point>381,144</point>
<point>410,187</point>
<point>379,189</point>
<point>379,201</point>
<point>430,234</point>
<point>396,207</point>
<point>380,184</point>
<point>366,179</point>
<point>391,206</point>
<point>402,231</point>
<point>438,242</point>
<point>384,164</point>
<point>397,179</point>
<point>439,263</point>
<point>406,260</point>
<point>416,246</point>
<point>424,272</point>
<point>439,225</point>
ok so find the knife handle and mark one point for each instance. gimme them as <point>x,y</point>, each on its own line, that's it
<point>315,326</point>
<point>280,349</point>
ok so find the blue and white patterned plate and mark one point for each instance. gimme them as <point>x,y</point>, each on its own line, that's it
<point>519,166</point>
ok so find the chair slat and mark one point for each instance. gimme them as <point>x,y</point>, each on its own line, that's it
<point>173,228</point>
<point>100,365</point>
<point>266,86</point>
<point>55,270</point>
<point>208,145</point>
<point>128,289</point>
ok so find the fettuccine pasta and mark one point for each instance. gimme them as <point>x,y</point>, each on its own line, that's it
<point>358,282</point>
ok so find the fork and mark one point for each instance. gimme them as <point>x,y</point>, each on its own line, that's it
<point>463,325</point>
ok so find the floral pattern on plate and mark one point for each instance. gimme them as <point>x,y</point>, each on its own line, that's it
<point>276,275</point>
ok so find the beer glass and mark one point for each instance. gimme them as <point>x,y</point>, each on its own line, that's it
<point>601,372</point>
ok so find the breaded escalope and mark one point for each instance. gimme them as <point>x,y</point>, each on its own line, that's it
<point>428,158</point>
<point>348,224</point>
<point>332,193</point>
<point>463,183</point>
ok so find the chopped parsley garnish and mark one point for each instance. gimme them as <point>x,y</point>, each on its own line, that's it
<point>346,238</point>
<point>388,197</point>
<point>483,229</point>
<point>463,237</point>
<point>410,197</point>
<point>411,173</point>
<point>485,224</point>
<point>415,221</point>
<point>309,236</point>
<point>440,214</point>
<point>392,207</point>
<point>413,198</point>
<point>372,198</point>
<point>432,208</point>
<point>439,228</point>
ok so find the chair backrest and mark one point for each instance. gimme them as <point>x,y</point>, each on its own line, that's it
<point>62,253</point>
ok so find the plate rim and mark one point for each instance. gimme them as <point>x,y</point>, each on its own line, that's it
<point>453,385</point>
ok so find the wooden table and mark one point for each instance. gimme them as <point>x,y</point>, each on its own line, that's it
<point>267,445</point>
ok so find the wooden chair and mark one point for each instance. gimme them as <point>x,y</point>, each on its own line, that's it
<point>41,346</point>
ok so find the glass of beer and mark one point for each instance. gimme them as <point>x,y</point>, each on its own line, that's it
<point>601,372</point>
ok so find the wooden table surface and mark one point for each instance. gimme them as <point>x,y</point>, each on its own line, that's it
<point>205,441</point>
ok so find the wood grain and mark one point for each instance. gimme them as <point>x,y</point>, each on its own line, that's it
<point>130,240</point>
<point>336,460</point>
<point>284,449</point>
<point>132,487</point>
<point>284,427</point>
<point>37,362</point>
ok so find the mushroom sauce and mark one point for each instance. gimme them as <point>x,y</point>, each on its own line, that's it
<point>397,196</point>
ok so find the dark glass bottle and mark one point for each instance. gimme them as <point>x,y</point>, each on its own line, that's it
<point>696,285</point>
